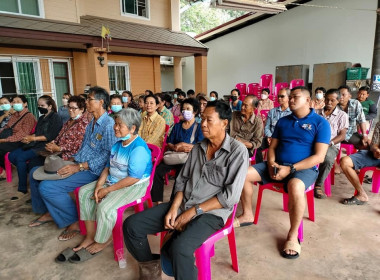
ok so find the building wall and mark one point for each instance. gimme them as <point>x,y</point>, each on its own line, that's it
<point>54,8</point>
<point>303,35</point>
<point>167,77</point>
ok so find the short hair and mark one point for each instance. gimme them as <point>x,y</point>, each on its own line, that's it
<point>214,92</point>
<point>303,90</point>
<point>129,93</point>
<point>83,95</point>
<point>100,94</point>
<point>149,91</point>
<point>167,97</point>
<point>160,95</point>
<point>223,109</point>
<point>151,96</point>
<point>266,90</point>
<point>333,91</point>
<point>193,102</point>
<point>142,97</point>
<point>182,93</point>
<point>49,101</point>
<point>190,92</point>
<point>345,87</point>
<point>255,100</point>
<point>22,97</point>
<point>178,90</point>
<point>364,88</point>
<point>7,97</point>
<point>130,117</point>
<point>237,90</point>
<point>67,94</point>
<point>116,96</point>
<point>321,89</point>
<point>81,103</point>
<point>287,91</point>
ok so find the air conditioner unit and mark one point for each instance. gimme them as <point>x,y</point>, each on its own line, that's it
<point>166,60</point>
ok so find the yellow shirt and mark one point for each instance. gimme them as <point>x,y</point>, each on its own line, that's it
<point>152,129</point>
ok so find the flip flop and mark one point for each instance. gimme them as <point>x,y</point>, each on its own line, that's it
<point>68,232</point>
<point>294,246</point>
<point>39,223</point>
<point>318,192</point>
<point>237,224</point>
<point>353,201</point>
<point>82,255</point>
<point>65,255</point>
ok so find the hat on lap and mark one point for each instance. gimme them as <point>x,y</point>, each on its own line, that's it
<point>49,171</point>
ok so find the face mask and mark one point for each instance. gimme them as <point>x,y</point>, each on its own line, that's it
<point>18,107</point>
<point>65,101</point>
<point>234,98</point>
<point>319,96</point>
<point>175,96</point>
<point>125,99</point>
<point>126,137</point>
<point>43,111</point>
<point>264,96</point>
<point>5,107</point>
<point>187,115</point>
<point>77,117</point>
<point>212,98</point>
<point>116,108</point>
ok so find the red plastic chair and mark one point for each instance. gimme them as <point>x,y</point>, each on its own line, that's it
<point>350,149</point>
<point>164,144</point>
<point>242,87</point>
<point>278,187</point>
<point>206,251</point>
<point>251,88</point>
<point>297,83</point>
<point>328,182</point>
<point>279,86</point>
<point>375,177</point>
<point>266,81</point>
<point>264,115</point>
<point>117,232</point>
<point>176,119</point>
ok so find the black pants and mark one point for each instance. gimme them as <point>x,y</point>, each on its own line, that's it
<point>7,147</point>
<point>180,249</point>
<point>157,191</point>
<point>259,152</point>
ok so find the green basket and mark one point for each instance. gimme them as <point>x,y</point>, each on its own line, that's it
<point>357,73</point>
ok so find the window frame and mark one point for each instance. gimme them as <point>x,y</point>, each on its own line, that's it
<point>8,60</point>
<point>40,8</point>
<point>134,15</point>
<point>127,75</point>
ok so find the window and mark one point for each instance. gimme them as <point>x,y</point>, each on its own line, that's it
<point>61,80</point>
<point>136,7</point>
<point>118,77</point>
<point>7,79</point>
<point>23,7</point>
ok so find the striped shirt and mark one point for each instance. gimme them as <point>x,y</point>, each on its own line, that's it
<point>23,127</point>
<point>355,116</point>
<point>152,129</point>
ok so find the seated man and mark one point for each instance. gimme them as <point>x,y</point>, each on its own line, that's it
<point>338,121</point>
<point>299,143</point>
<point>246,127</point>
<point>273,116</point>
<point>206,190</point>
<point>359,160</point>
<point>369,106</point>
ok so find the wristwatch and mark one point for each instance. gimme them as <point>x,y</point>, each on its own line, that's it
<point>292,169</point>
<point>198,210</point>
<point>81,167</point>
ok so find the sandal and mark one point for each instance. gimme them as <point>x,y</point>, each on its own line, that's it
<point>82,255</point>
<point>294,246</point>
<point>65,255</point>
<point>38,223</point>
<point>318,192</point>
<point>353,201</point>
<point>72,233</point>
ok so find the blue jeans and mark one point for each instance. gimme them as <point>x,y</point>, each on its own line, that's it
<point>19,158</point>
<point>53,196</point>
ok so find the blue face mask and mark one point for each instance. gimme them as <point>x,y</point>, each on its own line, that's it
<point>5,107</point>
<point>175,96</point>
<point>77,117</point>
<point>125,99</point>
<point>18,107</point>
<point>212,98</point>
<point>126,137</point>
<point>116,108</point>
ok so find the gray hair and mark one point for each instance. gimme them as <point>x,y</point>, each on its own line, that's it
<point>130,117</point>
<point>287,91</point>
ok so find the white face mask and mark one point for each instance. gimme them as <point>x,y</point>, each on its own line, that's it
<point>65,101</point>
<point>264,96</point>
<point>319,96</point>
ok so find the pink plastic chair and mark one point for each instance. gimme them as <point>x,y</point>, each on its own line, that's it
<point>328,182</point>
<point>278,187</point>
<point>117,232</point>
<point>279,86</point>
<point>350,149</point>
<point>375,177</point>
<point>296,83</point>
<point>264,115</point>
<point>251,88</point>
<point>164,144</point>
<point>266,81</point>
<point>242,87</point>
<point>176,119</point>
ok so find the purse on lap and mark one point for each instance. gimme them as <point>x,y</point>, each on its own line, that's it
<point>7,132</point>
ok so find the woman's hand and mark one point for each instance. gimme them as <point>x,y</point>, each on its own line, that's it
<point>68,170</point>
<point>27,139</point>
<point>100,193</point>
<point>52,147</point>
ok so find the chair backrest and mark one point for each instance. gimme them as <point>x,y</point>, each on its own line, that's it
<point>279,86</point>
<point>242,87</point>
<point>266,81</point>
<point>34,128</point>
<point>251,88</point>
<point>156,154</point>
<point>264,114</point>
<point>176,119</point>
<point>164,144</point>
<point>296,83</point>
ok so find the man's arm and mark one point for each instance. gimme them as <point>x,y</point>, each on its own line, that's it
<point>340,137</point>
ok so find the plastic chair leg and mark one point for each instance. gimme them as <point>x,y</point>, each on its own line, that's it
<point>117,235</point>
<point>8,168</point>
<point>327,184</point>
<point>310,205</point>
<point>233,251</point>
<point>285,202</point>
<point>300,232</point>
<point>258,205</point>
<point>82,225</point>
<point>166,179</point>
<point>202,260</point>
<point>376,181</point>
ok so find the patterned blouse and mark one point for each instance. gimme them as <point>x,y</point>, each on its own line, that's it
<point>152,129</point>
<point>71,136</point>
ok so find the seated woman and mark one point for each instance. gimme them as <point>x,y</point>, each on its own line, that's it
<point>5,110</point>
<point>63,111</point>
<point>318,101</point>
<point>116,104</point>
<point>128,101</point>
<point>152,128</point>
<point>235,103</point>
<point>213,95</point>
<point>47,129</point>
<point>21,122</point>
<point>265,103</point>
<point>124,179</point>
<point>184,135</point>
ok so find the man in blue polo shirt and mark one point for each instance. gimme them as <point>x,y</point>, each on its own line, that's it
<point>299,143</point>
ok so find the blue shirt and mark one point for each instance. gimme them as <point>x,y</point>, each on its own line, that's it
<point>273,116</point>
<point>296,137</point>
<point>64,114</point>
<point>97,144</point>
<point>179,134</point>
<point>237,107</point>
<point>133,160</point>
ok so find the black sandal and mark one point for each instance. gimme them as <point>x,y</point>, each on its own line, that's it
<point>318,192</point>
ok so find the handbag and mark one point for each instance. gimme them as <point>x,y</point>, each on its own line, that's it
<point>174,158</point>
<point>7,132</point>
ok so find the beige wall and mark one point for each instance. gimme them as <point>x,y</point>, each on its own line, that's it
<point>64,10</point>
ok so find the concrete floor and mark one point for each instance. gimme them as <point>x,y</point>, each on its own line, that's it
<point>343,243</point>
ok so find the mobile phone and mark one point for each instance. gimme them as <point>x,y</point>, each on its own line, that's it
<point>275,170</point>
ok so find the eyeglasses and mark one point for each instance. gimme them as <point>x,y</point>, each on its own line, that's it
<point>72,108</point>
<point>281,96</point>
<point>90,99</point>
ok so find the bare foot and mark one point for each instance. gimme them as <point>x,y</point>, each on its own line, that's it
<point>45,218</point>
<point>70,232</point>
<point>97,247</point>
<point>85,243</point>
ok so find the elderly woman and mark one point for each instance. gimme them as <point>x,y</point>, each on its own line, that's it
<point>47,129</point>
<point>124,179</point>
<point>152,128</point>
<point>265,103</point>
<point>318,101</point>
<point>184,135</point>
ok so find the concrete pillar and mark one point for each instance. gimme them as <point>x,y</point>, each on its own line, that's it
<point>157,74</point>
<point>200,69</point>
<point>177,72</point>
<point>175,16</point>
<point>80,72</point>
<point>376,61</point>
<point>98,74</point>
